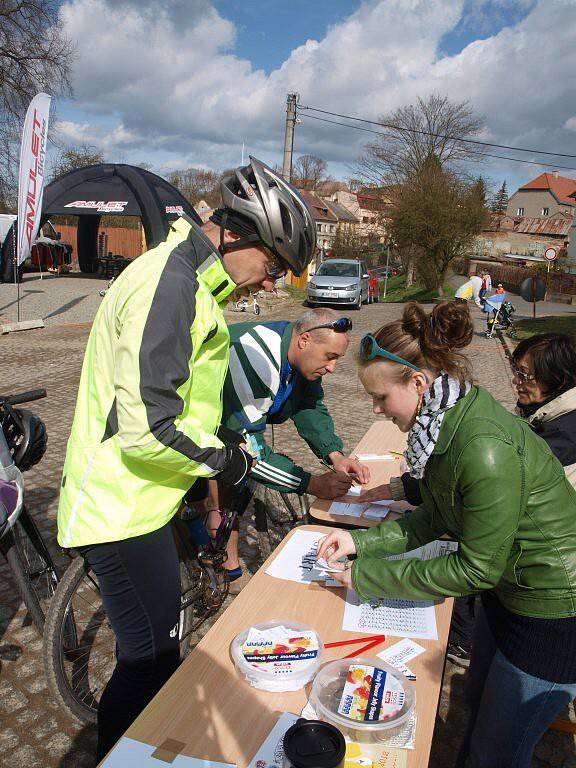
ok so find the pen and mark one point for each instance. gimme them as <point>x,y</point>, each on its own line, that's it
<point>331,468</point>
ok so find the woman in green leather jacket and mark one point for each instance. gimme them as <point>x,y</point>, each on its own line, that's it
<point>488,481</point>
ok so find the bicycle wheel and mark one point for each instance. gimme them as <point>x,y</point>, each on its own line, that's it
<point>275,514</point>
<point>79,643</point>
<point>17,565</point>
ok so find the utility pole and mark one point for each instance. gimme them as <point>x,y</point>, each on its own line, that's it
<point>291,102</point>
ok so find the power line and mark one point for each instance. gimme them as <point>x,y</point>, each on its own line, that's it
<point>438,135</point>
<point>472,151</point>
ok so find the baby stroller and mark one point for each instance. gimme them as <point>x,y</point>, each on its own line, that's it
<point>500,314</point>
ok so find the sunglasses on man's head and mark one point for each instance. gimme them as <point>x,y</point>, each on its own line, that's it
<point>369,349</point>
<point>342,325</point>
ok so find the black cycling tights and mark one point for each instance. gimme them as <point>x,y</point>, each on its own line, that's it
<point>140,584</point>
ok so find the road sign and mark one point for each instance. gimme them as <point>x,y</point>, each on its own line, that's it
<point>550,254</point>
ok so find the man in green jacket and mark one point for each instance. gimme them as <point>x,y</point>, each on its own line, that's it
<point>275,374</point>
<point>149,406</point>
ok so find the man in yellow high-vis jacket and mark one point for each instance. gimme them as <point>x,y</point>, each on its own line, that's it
<point>149,406</point>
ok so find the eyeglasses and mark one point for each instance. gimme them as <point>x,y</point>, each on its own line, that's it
<point>522,375</point>
<point>342,325</point>
<point>369,349</point>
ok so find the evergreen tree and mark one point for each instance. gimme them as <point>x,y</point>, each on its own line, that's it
<point>500,200</point>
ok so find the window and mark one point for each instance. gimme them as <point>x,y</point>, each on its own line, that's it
<point>545,211</point>
<point>365,219</point>
<point>319,227</point>
<point>332,228</point>
<point>520,212</point>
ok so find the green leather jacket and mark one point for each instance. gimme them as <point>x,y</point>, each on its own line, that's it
<point>493,485</point>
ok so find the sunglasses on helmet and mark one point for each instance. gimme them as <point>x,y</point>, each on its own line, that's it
<point>369,349</point>
<point>342,325</point>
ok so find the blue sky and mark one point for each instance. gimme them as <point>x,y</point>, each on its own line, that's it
<point>179,83</point>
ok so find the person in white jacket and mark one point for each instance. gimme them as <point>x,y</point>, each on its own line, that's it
<point>470,290</point>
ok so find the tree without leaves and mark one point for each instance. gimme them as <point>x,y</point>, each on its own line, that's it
<point>433,127</point>
<point>197,184</point>
<point>309,171</point>
<point>499,202</point>
<point>435,218</point>
<point>73,158</point>
<point>348,243</point>
<point>35,56</point>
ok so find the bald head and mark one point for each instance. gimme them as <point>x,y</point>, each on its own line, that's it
<point>315,353</point>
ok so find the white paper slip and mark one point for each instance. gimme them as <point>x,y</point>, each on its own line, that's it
<point>129,753</point>
<point>398,654</point>
<point>343,508</point>
<point>376,512</point>
<point>271,751</point>
<point>390,616</point>
<point>297,559</point>
<point>376,457</point>
<point>383,502</point>
<point>323,565</point>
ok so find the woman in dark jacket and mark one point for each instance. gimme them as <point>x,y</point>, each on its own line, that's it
<point>544,369</point>
<point>488,481</point>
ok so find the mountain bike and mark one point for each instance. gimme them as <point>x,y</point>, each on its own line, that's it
<point>79,644</point>
<point>22,444</point>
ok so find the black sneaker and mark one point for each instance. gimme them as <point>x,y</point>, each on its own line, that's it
<point>458,655</point>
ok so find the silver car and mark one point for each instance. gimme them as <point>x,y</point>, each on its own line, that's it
<point>339,281</point>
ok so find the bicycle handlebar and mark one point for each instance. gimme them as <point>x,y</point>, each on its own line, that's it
<point>23,397</point>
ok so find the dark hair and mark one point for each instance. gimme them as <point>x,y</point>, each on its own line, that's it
<point>553,357</point>
<point>430,341</point>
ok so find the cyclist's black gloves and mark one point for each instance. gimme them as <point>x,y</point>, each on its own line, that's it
<point>238,464</point>
<point>228,436</point>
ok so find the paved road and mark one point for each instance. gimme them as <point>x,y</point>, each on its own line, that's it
<point>33,732</point>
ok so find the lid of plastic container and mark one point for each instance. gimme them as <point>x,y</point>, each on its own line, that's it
<point>314,744</point>
<point>363,693</point>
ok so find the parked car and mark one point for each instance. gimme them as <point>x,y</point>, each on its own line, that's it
<point>339,281</point>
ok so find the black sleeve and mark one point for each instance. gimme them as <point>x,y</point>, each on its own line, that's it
<point>411,489</point>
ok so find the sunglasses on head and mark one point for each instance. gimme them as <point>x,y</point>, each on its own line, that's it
<point>369,349</point>
<point>342,325</point>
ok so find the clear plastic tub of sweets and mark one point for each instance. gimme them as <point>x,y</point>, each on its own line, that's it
<point>366,698</point>
<point>277,655</point>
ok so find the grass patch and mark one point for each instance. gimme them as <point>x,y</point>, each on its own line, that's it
<point>396,291</point>
<point>298,294</point>
<point>553,324</point>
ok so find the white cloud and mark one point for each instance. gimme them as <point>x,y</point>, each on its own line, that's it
<point>166,72</point>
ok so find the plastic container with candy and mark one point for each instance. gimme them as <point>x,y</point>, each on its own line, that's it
<point>366,699</point>
<point>277,655</point>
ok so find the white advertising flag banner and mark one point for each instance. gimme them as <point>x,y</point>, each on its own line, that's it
<point>32,169</point>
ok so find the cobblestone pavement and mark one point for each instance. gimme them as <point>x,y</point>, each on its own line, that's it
<point>33,731</point>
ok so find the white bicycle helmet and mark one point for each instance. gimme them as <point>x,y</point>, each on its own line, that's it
<point>260,205</point>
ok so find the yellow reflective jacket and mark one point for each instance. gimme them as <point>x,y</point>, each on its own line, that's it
<point>149,400</point>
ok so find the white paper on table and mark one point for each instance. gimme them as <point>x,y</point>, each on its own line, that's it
<point>375,457</point>
<point>297,561</point>
<point>383,502</point>
<point>390,616</point>
<point>129,753</point>
<point>376,512</point>
<point>343,508</point>
<point>271,752</point>
<point>398,654</point>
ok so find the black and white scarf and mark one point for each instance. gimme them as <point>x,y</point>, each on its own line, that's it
<point>443,394</point>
